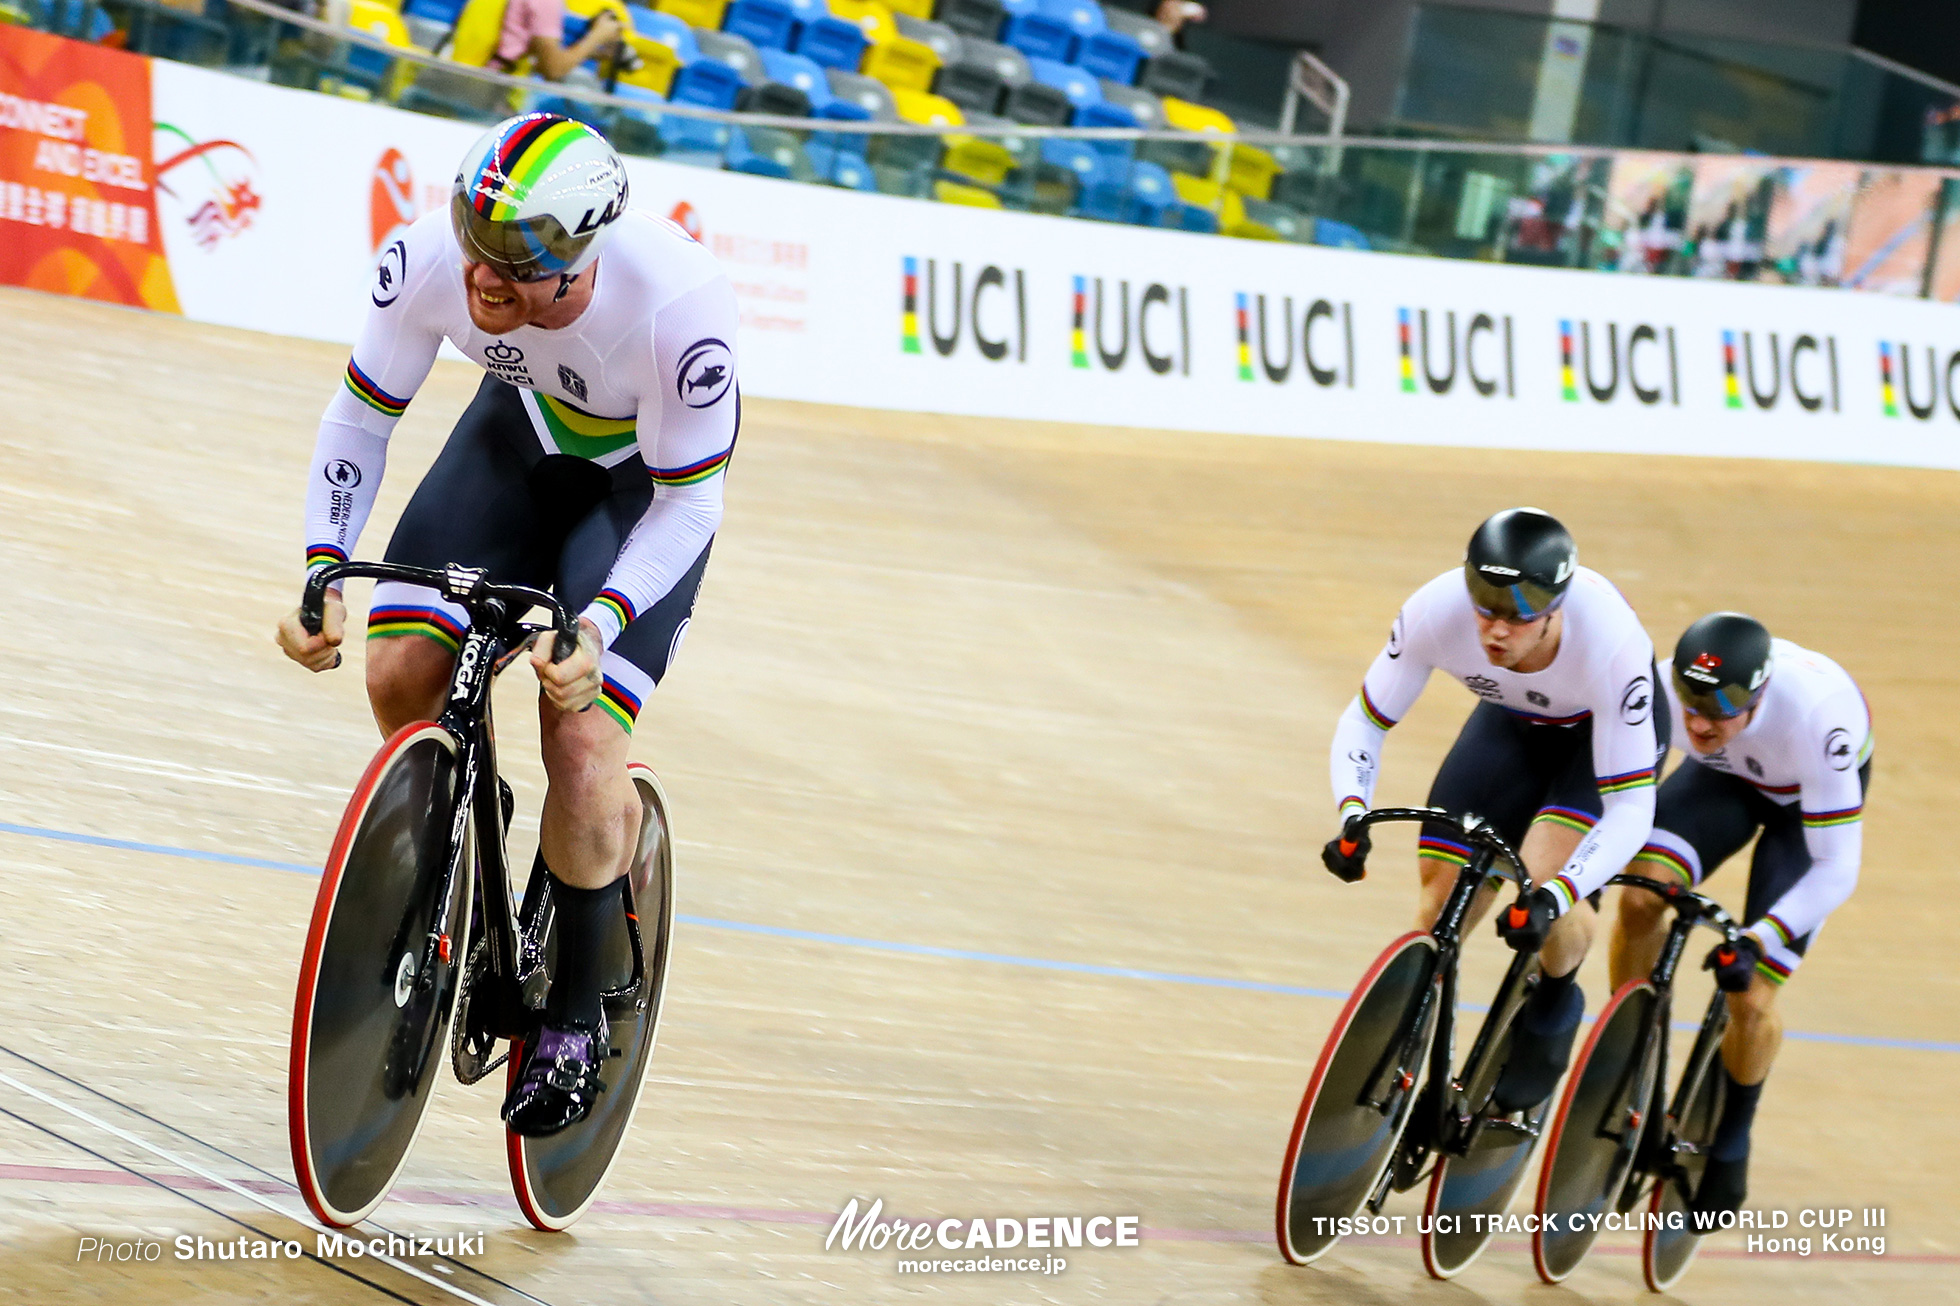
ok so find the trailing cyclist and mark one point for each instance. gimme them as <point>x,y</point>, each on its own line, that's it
<point>1559,755</point>
<point>590,462</point>
<point>1778,740</point>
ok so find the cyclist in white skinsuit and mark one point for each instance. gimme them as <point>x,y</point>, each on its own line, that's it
<point>1777,746</point>
<point>591,461</point>
<point>1559,756</point>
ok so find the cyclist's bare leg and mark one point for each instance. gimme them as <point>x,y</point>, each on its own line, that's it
<point>1547,847</point>
<point>1755,1031</point>
<point>1639,929</point>
<point>591,820</point>
<point>407,680</point>
<point>1438,878</point>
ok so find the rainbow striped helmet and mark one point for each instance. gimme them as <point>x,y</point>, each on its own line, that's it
<point>537,196</point>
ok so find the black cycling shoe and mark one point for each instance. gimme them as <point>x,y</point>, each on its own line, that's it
<point>1723,1186</point>
<point>560,1080</point>
<point>1541,1047</point>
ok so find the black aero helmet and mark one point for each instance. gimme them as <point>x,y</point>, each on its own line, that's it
<point>1519,564</point>
<point>1722,665</point>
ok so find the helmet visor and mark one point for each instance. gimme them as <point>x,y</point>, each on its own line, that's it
<point>1716,702</point>
<point>528,249</point>
<point>1520,601</point>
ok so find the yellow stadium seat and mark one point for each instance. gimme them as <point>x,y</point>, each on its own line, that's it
<point>951,192</point>
<point>1250,230</point>
<point>977,159</point>
<point>1184,116</point>
<point>911,8</point>
<point>696,13</point>
<point>899,62</point>
<point>478,28</point>
<point>588,9</point>
<point>378,20</point>
<point>658,64</point>
<point>1252,172</point>
<point>925,107</point>
<point>873,19</point>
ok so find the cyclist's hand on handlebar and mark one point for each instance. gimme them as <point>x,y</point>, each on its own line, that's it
<point>1525,922</point>
<point>319,652</point>
<point>571,685</point>
<point>1346,854</point>
<point>1734,963</point>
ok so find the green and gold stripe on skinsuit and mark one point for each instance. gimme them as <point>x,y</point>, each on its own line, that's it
<point>579,433</point>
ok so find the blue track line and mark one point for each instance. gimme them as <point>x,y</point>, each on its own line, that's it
<point>924,949</point>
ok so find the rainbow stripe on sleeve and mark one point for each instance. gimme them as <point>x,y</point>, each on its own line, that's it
<point>1617,784</point>
<point>1773,970</point>
<point>1565,889</point>
<point>323,555</point>
<point>1825,820</point>
<point>692,473</point>
<point>1373,713</point>
<point>365,390</point>
<point>619,605</point>
<point>1782,931</point>
<point>620,704</point>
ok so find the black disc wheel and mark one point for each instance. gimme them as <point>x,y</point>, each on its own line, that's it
<point>1486,1177</point>
<point>1596,1131</point>
<point>375,988</point>
<point>555,1178</point>
<point>1359,1098</point>
<point>1666,1251</point>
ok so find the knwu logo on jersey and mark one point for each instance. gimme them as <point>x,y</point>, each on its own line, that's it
<point>1810,365</point>
<point>1328,360</point>
<point>1895,380</point>
<point>1000,292</point>
<point>1162,316</point>
<point>1658,363</point>
<point>1489,360</point>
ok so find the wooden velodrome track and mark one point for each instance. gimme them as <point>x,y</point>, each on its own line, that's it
<point>990,742</point>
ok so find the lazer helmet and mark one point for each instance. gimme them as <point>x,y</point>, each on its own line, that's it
<point>1722,665</point>
<point>537,197</point>
<point>1519,564</point>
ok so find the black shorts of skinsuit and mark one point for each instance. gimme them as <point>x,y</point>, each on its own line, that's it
<point>1512,771</point>
<point>495,499</point>
<point>1716,814</point>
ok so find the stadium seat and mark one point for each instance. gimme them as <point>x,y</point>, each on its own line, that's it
<point>974,87</point>
<point>693,140</point>
<point>1099,113</point>
<point>833,42</point>
<point>1252,172</point>
<point>1076,156</point>
<point>1175,73</point>
<point>1150,36</point>
<point>1150,193</point>
<point>873,17</point>
<point>1285,223</point>
<point>734,51</point>
<point>377,20</point>
<point>978,160</point>
<point>768,152</point>
<point>976,18</point>
<point>796,72</point>
<point>952,192</point>
<point>778,100</point>
<point>901,61</point>
<point>1007,63</point>
<point>1077,85</point>
<point>1339,235</point>
<point>925,107</point>
<point>695,13</point>
<point>1112,55</point>
<point>837,166</point>
<point>766,24</point>
<point>659,65</point>
<point>1184,116</point>
<point>1224,204</point>
<point>429,22</point>
<point>1083,18</point>
<point>1039,36</point>
<point>708,83</point>
<point>1143,105</point>
<point>1039,105</point>
<point>871,98</point>
<point>941,39</point>
<point>920,9</point>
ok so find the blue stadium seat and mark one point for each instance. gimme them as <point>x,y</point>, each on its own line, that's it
<point>1180,216</point>
<point>1340,235</point>
<point>1112,55</point>
<point>1077,157</point>
<point>1079,86</point>
<point>693,140</point>
<point>805,74</point>
<point>438,11</point>
<point>1150,193</point>
<point>742,158</point>
<point>1083,18</point>
<point>664,28</point>
<point>1101,113</point>
<point>832,42</point>
<point>709,83</point>
<point>1038,36</point>
<point>840,167</point>
<point>768,24</point>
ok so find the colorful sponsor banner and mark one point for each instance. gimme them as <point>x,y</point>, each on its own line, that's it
<point>77,205</point>
<point>876,301</point>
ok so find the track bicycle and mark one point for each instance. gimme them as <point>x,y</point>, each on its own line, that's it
<point>1617,1137</point>
<point>415,922</point>
<point>1371,1120</point>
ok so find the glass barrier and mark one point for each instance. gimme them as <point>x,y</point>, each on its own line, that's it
<point>1476,72</point>
<point>1720,216</point>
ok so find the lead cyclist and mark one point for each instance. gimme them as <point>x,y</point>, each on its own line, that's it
<point>591,461</point>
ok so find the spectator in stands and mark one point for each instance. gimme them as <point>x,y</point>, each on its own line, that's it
<point>537,28</point>
<point>1174,14</point>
